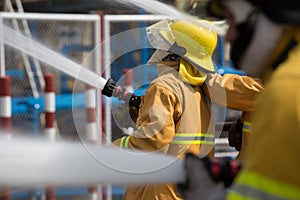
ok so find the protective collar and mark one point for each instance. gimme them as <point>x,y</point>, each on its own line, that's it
<point>187,72</point>
<point>190,74</point>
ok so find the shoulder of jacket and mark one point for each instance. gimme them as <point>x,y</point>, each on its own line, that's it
<point>168,81</point>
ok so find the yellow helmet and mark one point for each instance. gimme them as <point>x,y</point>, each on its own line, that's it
<point>194,43</point>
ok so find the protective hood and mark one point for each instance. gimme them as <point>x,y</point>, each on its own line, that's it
<point>157,56</point>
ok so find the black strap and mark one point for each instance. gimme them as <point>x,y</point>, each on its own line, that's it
<point>170,57</point>
<point>284,55</point>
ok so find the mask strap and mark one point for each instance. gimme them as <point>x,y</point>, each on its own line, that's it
<point>245,34</point>
<point>280,53</point>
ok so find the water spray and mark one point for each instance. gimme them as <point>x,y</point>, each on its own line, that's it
<point>65,163</point>
<point>160,8</point>
<point>36,50</point>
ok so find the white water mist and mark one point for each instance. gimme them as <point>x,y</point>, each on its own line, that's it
<point>31,162</point>
<point>160,8</point>
<point>50,57</point>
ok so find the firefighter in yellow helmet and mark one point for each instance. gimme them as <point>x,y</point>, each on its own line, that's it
<point>240,131</point>
<point>271,167</point>
<point>175,115</point>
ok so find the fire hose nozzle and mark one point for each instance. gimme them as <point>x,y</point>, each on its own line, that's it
<point>111,88</point>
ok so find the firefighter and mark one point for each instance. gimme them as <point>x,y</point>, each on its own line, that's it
<point>175,115</point>
<point>271,167</point>
<point>240,131</point>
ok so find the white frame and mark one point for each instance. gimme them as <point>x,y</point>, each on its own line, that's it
<point>107,54</point>
<point>107,63</point>
<point>62,17</point>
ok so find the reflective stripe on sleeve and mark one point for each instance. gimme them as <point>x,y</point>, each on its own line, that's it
<point>251,185</point>
<point>194,138</point>
<point>124,142</point>
<point>247,127</point>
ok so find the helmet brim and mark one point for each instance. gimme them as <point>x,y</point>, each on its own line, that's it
<point>204,64</point>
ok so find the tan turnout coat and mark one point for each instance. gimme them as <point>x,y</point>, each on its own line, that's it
<point>175,118</point>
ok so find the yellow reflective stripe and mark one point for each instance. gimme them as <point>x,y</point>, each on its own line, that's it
<point>193,138</point>
<point>246,192</point>
<point>124,142</point>
<point>193,142</point>
<point>247,126</point>
<point>267,186</point>
<point>247,123</point>
<point>194,134</point>
<point>237,196</point>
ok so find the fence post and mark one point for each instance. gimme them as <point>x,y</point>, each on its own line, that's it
<point>50,109</point>
<point>5,104</point>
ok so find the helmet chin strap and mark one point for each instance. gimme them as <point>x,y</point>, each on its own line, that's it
<point>266,35</point>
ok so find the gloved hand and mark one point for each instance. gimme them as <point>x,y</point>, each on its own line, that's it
<point>126,115</point>
<point>200,183</point>
<point>235,135</point>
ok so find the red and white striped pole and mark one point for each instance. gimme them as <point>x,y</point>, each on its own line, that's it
<point>91,124</point>
<point>5,117</point>
<point>5,109</point>
<point>50,193</point>
<point>50,109</point>
<point>50,131</point>
<point>91,129</point>
<point>5,104</point>
<point>93,192</point>
<point>6,194</point>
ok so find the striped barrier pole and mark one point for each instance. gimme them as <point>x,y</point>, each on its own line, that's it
<point>5,194</point>
<point>5,104</point>
<point>5,119</point>
<point>93,192</point>
<point>50,193</point>
<point>50,131</point>
<point>91,129</point>
<point>50,109</point>
<point>91,124</point>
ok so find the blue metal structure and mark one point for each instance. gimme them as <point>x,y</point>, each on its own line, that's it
<point>65,193</point>
<point>222,66</point>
